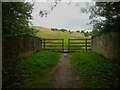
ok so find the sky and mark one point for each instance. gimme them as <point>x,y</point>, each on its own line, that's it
<point>63,16</point>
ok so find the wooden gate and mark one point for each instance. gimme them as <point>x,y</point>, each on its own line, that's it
<point>79,45</point>
<point>73,45</point>
<point>53,44</point>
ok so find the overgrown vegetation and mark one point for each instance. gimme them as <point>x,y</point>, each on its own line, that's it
<point>95,71</point>
<point>15,18</point>
<point>32,71</point>
<point>105,16</point>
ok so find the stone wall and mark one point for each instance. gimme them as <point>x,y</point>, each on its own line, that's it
<point>16,47</point>
<point>108,45</point>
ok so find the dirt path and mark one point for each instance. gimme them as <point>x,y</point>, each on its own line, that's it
<point>65,75</point>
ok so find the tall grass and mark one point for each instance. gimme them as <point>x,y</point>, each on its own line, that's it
<point>33,70</point>
<point>96,71</point>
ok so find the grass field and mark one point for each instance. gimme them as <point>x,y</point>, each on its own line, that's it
<point>47,33</point>
<point>32,71</point>
<point>95,71</point>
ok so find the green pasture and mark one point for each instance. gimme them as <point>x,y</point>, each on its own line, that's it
<point>49,34</point>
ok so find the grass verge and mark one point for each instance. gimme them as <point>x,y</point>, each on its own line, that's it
<point>34,70</point>
<point>95,71</point>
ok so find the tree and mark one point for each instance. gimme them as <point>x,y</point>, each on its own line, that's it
<point>44,13</point>
<point>54,29</point>
<point>86,34</point>
<point>15,18</point>
<point>78,31</point>
<point>82,31</point>
<point>105,16</point>
<point>94,31</point>
<point>63,30</point>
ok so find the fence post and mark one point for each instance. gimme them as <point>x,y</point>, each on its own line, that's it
<point>40,47</point>
<point>62,45</point>
<point>44,43</point>
<point>86,45</point>
<point>68,45</point>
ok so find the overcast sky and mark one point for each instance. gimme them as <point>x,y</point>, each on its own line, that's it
<point>63,16</point>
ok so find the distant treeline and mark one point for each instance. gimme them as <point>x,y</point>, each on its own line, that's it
<point>78,31</point>
<point>55,29</point>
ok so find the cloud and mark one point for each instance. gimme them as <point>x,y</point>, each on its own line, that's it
<point>63,16</point>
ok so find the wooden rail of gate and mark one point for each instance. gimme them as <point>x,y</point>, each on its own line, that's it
<point>53,44</point>
<point>79,45</point>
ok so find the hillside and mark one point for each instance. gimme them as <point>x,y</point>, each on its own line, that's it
<point>48,33</point>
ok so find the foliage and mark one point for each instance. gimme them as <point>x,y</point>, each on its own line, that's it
<point>15,18</point>
<point>96,71</point>
<point>63,30</point>
<point>95,31</point>
<point>32,71</point>
<point>55,29</point>
<point>86,34</point>
<point>82,31</point>
<point>78,31</point>
<point>44,13</point>
<point>105,16</point>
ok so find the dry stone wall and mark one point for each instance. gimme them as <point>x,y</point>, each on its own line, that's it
<point>108,45</point>
<point>16,47</point>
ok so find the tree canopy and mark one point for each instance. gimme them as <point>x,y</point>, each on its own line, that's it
<point>15,18</point>
<point>105,16</point>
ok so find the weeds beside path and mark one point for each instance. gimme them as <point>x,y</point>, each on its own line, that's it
<point>31,71</point>
<point>96,71</point>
